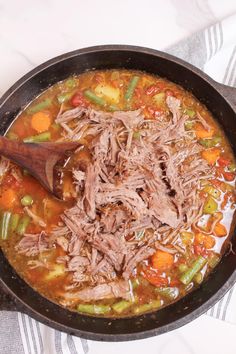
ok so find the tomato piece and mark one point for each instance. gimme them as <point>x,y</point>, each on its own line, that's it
<point>79,100</point>
<point>151,90</point>
<point>229,176</point>
<point>154,277</point>
<point>200,251</point>
<point>223,162</point>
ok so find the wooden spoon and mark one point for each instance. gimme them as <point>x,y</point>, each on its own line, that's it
<point>40,159</point>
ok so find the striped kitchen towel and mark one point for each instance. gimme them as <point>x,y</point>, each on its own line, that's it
<point>212,50</point>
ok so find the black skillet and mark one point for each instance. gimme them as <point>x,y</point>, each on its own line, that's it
<point>219,99</point>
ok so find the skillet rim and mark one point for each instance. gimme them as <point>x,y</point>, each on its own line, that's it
<point>207,304</point>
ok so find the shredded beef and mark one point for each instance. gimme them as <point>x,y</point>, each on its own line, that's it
<point>129,187</point>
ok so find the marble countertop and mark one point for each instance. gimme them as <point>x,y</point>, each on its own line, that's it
<point>33,31</point>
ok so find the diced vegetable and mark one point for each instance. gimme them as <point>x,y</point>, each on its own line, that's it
<point>162,260</point>
<point>171,293</point>
<point>14,222</point>
<point>40,106</point>
<point>202,133</point>
<point>94,309</point>
<point>187,277</point>
<point>4,225</point>
<point>210,206</point>
<point>78,99</point>
<point>206,240</point>
<point>198,278</point>
<point>131,87</point>
<point>211,155</point>
<point>229,176</point>
<point>215,193</point>
<point>71,83</point>
<point>8,199</point>
<point>232,167</point>
<point>208,143</point>
<point>94,98</point>
<point>27,200</point>
<point>223,162</point>
<point>110,93</point>
<point>189,124</point>
<point>213,261</point>
<point>190,112</point>
<point>121,306</point>
<point>23,224</point>
<point>57,271</point>
<point>46,136</point>
<point>41,121</point>
<point>159,98</point>
<point>64,97</point>
<point>186,237</point>
<point>220,230</point>
<point>154,277</point>
<point>183,267</point>
<point>147,307</point>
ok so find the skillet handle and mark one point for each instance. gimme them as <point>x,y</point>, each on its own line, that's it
<point>7,302</point>
<point>229,94</point>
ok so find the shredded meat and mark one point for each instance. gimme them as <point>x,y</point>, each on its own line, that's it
<point>132,197</point>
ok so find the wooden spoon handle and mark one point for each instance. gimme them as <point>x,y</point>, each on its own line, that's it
<point>38,158</point>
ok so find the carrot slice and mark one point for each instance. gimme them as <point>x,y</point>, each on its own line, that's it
<point>211,155</point>
<point>202,133</point>
<point>205,240</point>
<point>41,121</point>
<point>8,199</point>
<point>220,230</point>
<point>162,260</point>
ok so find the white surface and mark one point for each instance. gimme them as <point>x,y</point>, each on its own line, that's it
<point>34,31</point>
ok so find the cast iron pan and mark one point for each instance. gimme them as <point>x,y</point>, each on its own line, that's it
<point>220,100</point>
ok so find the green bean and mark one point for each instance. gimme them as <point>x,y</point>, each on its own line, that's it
<point>27,200</point>
<point>213,261</point>
<point>23,224</point>
<point>93,309</point>
<point>187,277</point>
<point>210,142</point>
<point>38,138</point>
<point>39,106</point>
<point>64,97</point>
<point>14,222</point>
<point>121,306</point>
<point>147,307</point>
<point>131,87</point>
<point>94,98</point>
<point>171,293</point>
<point>4,225</point>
